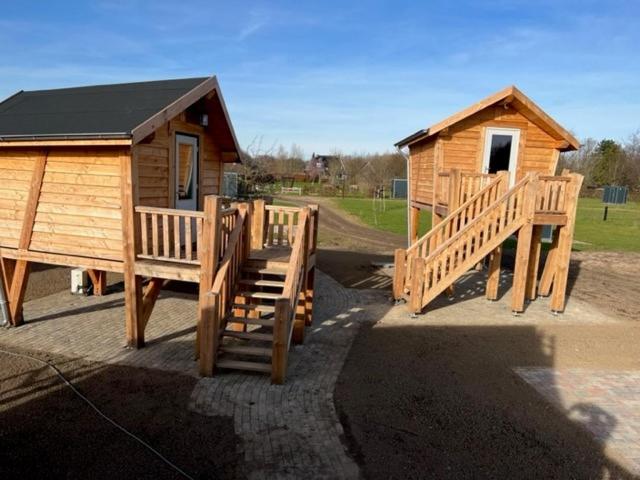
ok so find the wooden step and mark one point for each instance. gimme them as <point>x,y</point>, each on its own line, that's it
<point>246,350</point>
<point>265,270</point>
<point>265,322</point>
<point>263,337</point>
<point>253,306</point>
<point>240,365</point>
<point>263,295</point>
<point>262,283</point>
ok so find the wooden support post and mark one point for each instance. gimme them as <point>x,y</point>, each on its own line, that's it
<point>21,268</point>
<point>523,247</point>
<point>131,241</point>
<point>415,224</point>
<point>399,273</point>
<point>565,241</point>
<point>549,266</point>
<point>211,229</point>
<point>534,262</point>
<point>149,297</point>
<point>309,295</point>
<point>99,281</point>
<point>455,184</point>
<point>417,284</point>
<point>257,225</point>
<point>493,277</point>
<point>280,341</point>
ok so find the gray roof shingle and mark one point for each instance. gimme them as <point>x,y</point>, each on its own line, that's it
<point>102,110</point>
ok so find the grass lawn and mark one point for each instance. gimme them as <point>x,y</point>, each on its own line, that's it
<point>621,231</point>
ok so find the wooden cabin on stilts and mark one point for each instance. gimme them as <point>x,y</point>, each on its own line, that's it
<point>125,178</point>
<point>485,174</point>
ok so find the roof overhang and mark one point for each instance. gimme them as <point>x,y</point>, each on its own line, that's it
<point>207,87</point>
<point>73,140</point>
<point>508,96</point>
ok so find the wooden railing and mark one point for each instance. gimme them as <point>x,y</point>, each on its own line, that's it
<point>444,230</point>
<point>217,303</point>
<point>454,187</point>
<point>286,306</point>
<point>170,235</point>
<point>277,226</point>
<point>433,274</point>
<point>551,196</point>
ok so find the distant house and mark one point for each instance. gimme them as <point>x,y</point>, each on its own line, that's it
<point>318,166</point>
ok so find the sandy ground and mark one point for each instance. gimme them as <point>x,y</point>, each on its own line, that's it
<point>48,432</point>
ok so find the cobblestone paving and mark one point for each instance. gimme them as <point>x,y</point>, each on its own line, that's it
<point>606,403</point>
<point>93,328</point>
<point>293,431</point>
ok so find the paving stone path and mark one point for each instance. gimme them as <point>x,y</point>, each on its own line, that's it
<point>606,403</point>
<point>289,431</point>
<point>293,431</point>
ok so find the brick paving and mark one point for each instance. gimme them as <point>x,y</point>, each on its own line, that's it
<point>606,403</point>
<point>288,431</point>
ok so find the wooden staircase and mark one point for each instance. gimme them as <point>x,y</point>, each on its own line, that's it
<point>478,228</point>
<point>246,341</point>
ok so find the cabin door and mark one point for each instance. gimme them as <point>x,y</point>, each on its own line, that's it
<point>501,151</point>
<point>186,172</point>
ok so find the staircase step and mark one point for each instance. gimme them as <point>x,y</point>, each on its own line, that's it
<point>253,306</point>
<point>265,270</point>
<point>265,322</point>
<point>240,365</point>
<point>263,337</point>
<point>263,295</point>
<point>246,350</point>
<point>262,283</point>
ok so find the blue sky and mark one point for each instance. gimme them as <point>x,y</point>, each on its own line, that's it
<point>353,76</point>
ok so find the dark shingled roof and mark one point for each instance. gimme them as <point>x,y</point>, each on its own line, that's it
<point>96,111</point>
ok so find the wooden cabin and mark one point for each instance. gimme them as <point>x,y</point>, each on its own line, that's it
<point>487,173</point>
<point>505,131</point>
<point>123,178</point>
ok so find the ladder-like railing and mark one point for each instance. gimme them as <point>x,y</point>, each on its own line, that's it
<point>444,230</point>
<point>286,307</point>
<point>432,274</point>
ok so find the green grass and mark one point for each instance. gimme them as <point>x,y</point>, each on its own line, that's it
<point>621,231</point>
<point>393,218</point>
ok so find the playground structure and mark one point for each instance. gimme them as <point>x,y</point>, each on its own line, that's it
<point>486,174</point>
<point>125,178</point>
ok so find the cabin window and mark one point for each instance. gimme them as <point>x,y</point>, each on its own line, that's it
<point>186,172</point>
<point>501,151</point>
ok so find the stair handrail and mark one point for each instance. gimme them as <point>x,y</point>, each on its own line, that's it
<point>437,260</point>
<point>220,297</point>
<point>286,305</point>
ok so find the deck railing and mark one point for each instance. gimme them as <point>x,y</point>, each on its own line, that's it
<point>170,235</point>
<point>551,196</point>
<point>454,187</point>
<point>277,226</point>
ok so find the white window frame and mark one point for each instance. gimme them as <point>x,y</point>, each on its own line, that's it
<point>514,133</point>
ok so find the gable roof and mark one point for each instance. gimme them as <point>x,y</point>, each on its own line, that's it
<point>126,110</point>
<point>512,96</point>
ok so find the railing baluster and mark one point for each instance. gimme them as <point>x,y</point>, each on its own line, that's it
<point>165,235</point>
<point>176,237</point>
<point>188,238</point>
<point>144,234</point>
<point>154,235</point>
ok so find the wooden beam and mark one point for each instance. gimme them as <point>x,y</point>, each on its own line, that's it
<point>415,224</point>
<point>257,225</point>
<point>280,340</point>
<point>534,262</point>
<point>399,272</point>
<point>565,242</point>
<point>417,284</point>
<point>149,297</point>
<point>493,277</point>
<point>523,246</point>
<point>63,260</point>
<point>211,230</point>
<point>130,242</point>
<point>99,281</point>
<point>549,271</point>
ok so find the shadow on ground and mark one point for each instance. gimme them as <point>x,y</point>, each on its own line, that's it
<point>48,432</point>
<point>462,412</point>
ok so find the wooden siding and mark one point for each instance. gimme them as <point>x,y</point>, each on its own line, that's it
<point>463,146</point>
<point>156,164</point>
<point>78,208</point>
<point>422,168</point>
